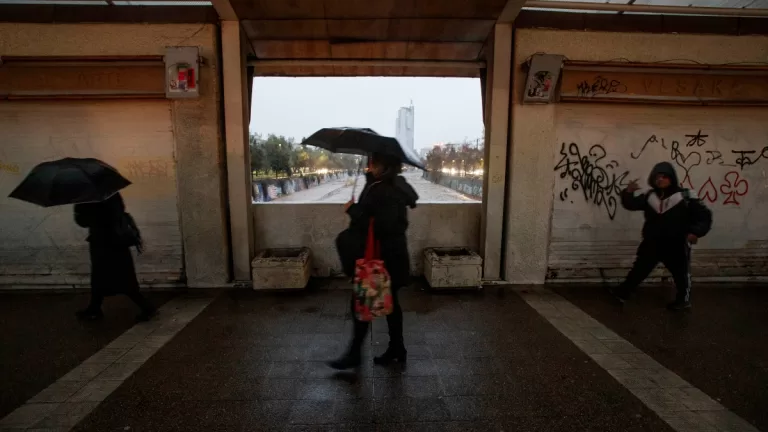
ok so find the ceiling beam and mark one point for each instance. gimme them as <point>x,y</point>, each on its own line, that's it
<point>225,10</point>
<point>621,7</point>
<point>510,11</point>
<point>373,63</point>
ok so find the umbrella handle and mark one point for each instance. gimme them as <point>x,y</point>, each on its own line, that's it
<point>354,188</point>
<point>357,176</point>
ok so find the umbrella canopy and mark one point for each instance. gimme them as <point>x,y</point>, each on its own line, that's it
<point>69,181</point>
<point>362,141</point>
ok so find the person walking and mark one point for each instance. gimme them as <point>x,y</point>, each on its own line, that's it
<point>675,219</point>
<point>112,268</point>
<point>386,198</point>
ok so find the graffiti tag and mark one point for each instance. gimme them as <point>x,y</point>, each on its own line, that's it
<point>747,157</point>
<point>600,86</point>
<point>9,167</point>
<point>597,180</point>
<point>732,187</point>
<point>152,168</point>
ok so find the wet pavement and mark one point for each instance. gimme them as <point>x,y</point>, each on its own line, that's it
<point>720,346</point>
<point>41,340</point>
<point>340,191</point>
<point>476,362</point>
<point>254,362</point>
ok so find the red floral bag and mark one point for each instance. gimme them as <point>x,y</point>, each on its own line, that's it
<point>372,290</point>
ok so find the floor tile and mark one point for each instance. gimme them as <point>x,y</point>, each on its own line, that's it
<point>59,391</point>
<point>27,415</point>
<point>67,415</point>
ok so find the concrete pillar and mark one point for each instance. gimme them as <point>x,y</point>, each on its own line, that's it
<point>496,117</point>
<point>531,179</point>
<point>237,149</point>
<point>200,164</point>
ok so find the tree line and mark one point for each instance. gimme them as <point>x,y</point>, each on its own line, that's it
<point>456,159</point>
<point>279,155</point>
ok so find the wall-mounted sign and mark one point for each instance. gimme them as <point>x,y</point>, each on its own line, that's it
<point>543,73</point>
<point>668,84</point>
<point>182,65</point>
<point>71,78</point>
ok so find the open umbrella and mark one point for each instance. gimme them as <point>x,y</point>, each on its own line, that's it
<point>362,141</point>
<point>69,181</point>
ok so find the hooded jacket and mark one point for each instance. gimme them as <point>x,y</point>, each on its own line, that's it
<point>386,201</point>
<point>670,214</point>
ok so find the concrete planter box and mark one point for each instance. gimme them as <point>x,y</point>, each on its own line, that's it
<point>274,269</point>
<point>452,268</point>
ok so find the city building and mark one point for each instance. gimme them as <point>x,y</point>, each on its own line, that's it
<point>404,125</point>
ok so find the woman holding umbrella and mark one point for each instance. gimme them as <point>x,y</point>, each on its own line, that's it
<point>93,187</point>
<point>112,269</point>
<point>386,198</point>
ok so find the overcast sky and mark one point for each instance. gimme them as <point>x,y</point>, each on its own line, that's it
<point>446,109</point>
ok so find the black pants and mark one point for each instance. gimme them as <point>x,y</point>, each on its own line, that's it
<point>394,324</point>
<point>97,299</point>
<point>676,257</point>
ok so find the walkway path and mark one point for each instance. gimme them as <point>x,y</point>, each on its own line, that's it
<point>340,191</point>
<point>509,359</point>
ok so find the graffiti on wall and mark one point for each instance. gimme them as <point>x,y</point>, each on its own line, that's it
<point>9,167</point>
<point>731,188</point>
<point>147,168</point>
<point>686,158</point>
<point>599,179</point>
<point>728,189</point>
<point>600,85</point>
<point>745,158</point>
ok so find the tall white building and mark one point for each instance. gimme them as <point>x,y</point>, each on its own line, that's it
<point>404,126</point>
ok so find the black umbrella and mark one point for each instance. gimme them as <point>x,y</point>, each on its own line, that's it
<point>69,181</point>
<point>362,141</point>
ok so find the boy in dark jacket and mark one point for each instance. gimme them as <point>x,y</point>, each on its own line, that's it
<point>675,219</point>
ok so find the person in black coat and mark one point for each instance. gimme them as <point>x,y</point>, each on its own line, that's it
<point>386,198</point>
<point>675,219</point>
<point>112,269</point>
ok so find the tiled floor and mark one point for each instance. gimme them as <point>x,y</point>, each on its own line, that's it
<point>254,362</point>
<point>40,339</point>
<point>719,346</point>
<point>477,362</point>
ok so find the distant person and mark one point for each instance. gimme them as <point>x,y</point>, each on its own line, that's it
<point>386,198</point>
<point>675,219</point>
<point>112,269</point>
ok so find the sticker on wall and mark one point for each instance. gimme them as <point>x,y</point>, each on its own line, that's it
<point>542,85</point>
<point>543,73</point>
<point>182,64</point>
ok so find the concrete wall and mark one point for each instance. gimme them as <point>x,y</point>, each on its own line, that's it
<point>602,147</point>
<point>469,186</point>
<point>534,138</point>
<point>43,246</point>
<point>316,226</point>
<point>196,123</point>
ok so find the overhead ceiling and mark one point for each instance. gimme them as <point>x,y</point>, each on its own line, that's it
<point>390,37</point>
<point>348,30</point>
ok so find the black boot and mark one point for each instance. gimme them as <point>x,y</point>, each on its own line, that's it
<point>351,360</point>
<point>393,354</point>
<point>90,314</point>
